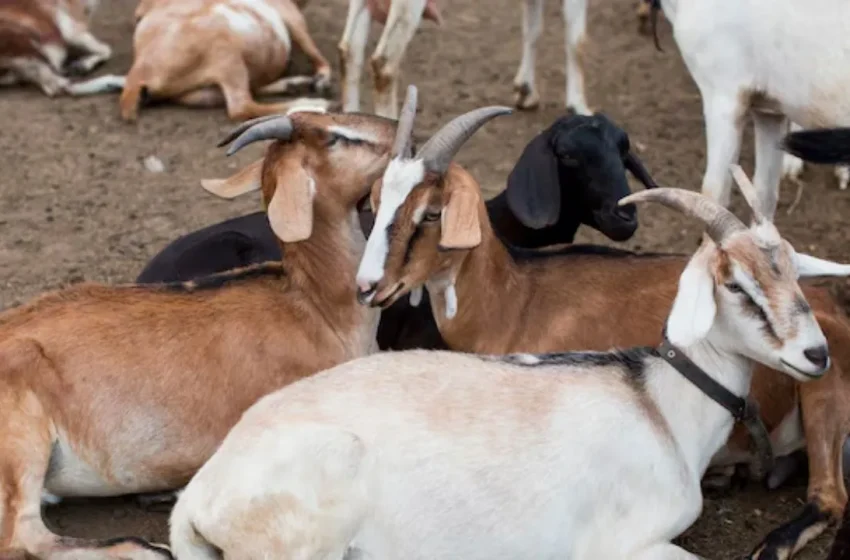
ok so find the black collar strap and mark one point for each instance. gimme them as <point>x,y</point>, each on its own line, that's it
<point>744,410</point>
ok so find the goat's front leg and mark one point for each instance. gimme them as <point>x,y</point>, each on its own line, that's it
<point>352,52</point>
<point>402,22</point>
<point>41,74</point>
<point>723,126</point>
<point>575,24</point>
<point>99,52</point>
<point>769,130</point>
<point>525,85</point>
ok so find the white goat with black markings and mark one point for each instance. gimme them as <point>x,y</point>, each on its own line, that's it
<point>776,59</point>
<point>435,455</point>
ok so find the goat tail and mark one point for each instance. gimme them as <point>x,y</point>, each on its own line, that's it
<point>134,90</point>
<point>819,145</point>
<point>187,543</point>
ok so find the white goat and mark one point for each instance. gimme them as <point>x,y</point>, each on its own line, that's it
<point>444,455</point>
<point>403,17</point>
<point>777,59</point>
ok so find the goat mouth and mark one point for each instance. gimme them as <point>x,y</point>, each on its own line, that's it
<point>801,372</point>
<point>390,299</point>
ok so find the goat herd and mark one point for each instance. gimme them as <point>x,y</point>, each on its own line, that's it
<point>287,378</point>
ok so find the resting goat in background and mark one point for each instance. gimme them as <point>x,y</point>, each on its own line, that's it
<point>572,173</point>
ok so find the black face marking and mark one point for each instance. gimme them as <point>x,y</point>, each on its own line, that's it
<point>756,310</point>
<point>221,279</point>
<point>801,306</point>
<point>771,253</point>
<point>632,359</point>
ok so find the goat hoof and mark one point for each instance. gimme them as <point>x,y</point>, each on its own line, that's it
<point>322,84</point>
<point>525,98</point>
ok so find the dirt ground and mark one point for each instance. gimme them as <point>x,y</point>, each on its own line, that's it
<point>76,202</point>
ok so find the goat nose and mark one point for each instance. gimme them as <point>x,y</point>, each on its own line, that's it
<point>818,355</point>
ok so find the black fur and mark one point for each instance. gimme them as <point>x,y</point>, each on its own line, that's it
<point>584,191</point>
<point>782,540</point>
<point>821,145</point>
<point>221,279</point>
<point>841,545</point>
<point>633,360</point>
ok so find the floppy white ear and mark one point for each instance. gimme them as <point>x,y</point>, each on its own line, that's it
<point>808,266</point>
<point>694,307</point>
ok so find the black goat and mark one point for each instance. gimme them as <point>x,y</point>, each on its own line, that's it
<point>572,173</point>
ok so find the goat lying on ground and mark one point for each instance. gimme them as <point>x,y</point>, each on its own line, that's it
<point>209,53</point>
<point>107,390</point>
<point>403,17</point>
<point>579,297</point>
<point>572,173</point>
<point>482,458</point>
<point>38,36</point>
<point>776,59</point>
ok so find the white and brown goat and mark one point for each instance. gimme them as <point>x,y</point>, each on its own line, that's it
<point>440,455</point>
<point>38,37</point>
<point>490,298</point>
<point>401,19</point>
<point>108,390</point>
<point>211,53</point>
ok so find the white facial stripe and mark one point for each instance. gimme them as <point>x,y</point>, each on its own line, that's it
<point>419,213</point>
<point>268,14</point>
<point>399,179</point>
<point>352,134</point>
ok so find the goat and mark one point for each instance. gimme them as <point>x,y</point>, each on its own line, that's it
<point>549,194</point>
<point>840,549</point>
<point>767,58</point>
<point>209,53</point>
<point>37,38</point>
<point>571,298</point>
<point>482,458</point>
<point>403,17</point>
<point>106,390</point>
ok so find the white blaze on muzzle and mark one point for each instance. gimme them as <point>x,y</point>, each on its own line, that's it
<point>399,180</point>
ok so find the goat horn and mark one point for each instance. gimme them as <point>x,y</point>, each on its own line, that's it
<point>719,222</point>
<point>748,190</point>
<point>242,128</point>
<point>404,132</point>
<point>440,149</point>
<point>636,168</point>
<point>278,128</point>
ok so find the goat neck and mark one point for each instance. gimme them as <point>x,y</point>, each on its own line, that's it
<point>512,231</point>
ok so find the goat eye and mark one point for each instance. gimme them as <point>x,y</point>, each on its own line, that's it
<point>734,288</point>
<point>334,139</point>
<point>431,217</point>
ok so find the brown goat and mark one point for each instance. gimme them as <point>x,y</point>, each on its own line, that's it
<point>431,228</point>
<point>212,53</point>
<point>36,38</point>
<point>129,389</point>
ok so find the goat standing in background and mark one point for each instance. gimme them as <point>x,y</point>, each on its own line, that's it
<point>482,458</point>
<point>209,53</point>
<point>36,37</point>
<point>403,17</point>
<point>108,390</point>
<point>550,193</point>
<point>774,59</point>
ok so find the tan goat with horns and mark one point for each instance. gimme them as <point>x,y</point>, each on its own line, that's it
<point>431,228</point>
<point>129,389</point>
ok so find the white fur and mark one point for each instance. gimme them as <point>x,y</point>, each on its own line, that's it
<point>797,53</point>
<point>416,296</point>
<point>451,301</point>
<point>242,23</point>
<point>694,307</point>
<point>400,177</point>
<point>270,16</point>
<point>352,134</point>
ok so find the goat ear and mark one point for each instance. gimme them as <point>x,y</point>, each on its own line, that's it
<point>808,266</point>
<point>291,208</point>
<point>248,179</point>
<point>534,190</point>
<point>694,308</point>
<point>461,228</point>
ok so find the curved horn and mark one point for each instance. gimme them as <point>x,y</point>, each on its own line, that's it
<point>277,128</point>
<point>748,190</point>
<point>404,132</point>
<point>719,222</point>
<point>242,128</point>
<point>440,149</point>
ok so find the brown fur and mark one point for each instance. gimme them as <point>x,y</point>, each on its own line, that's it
<point>205,62</point>
<point>143,382</point>
<point>596,302</point>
